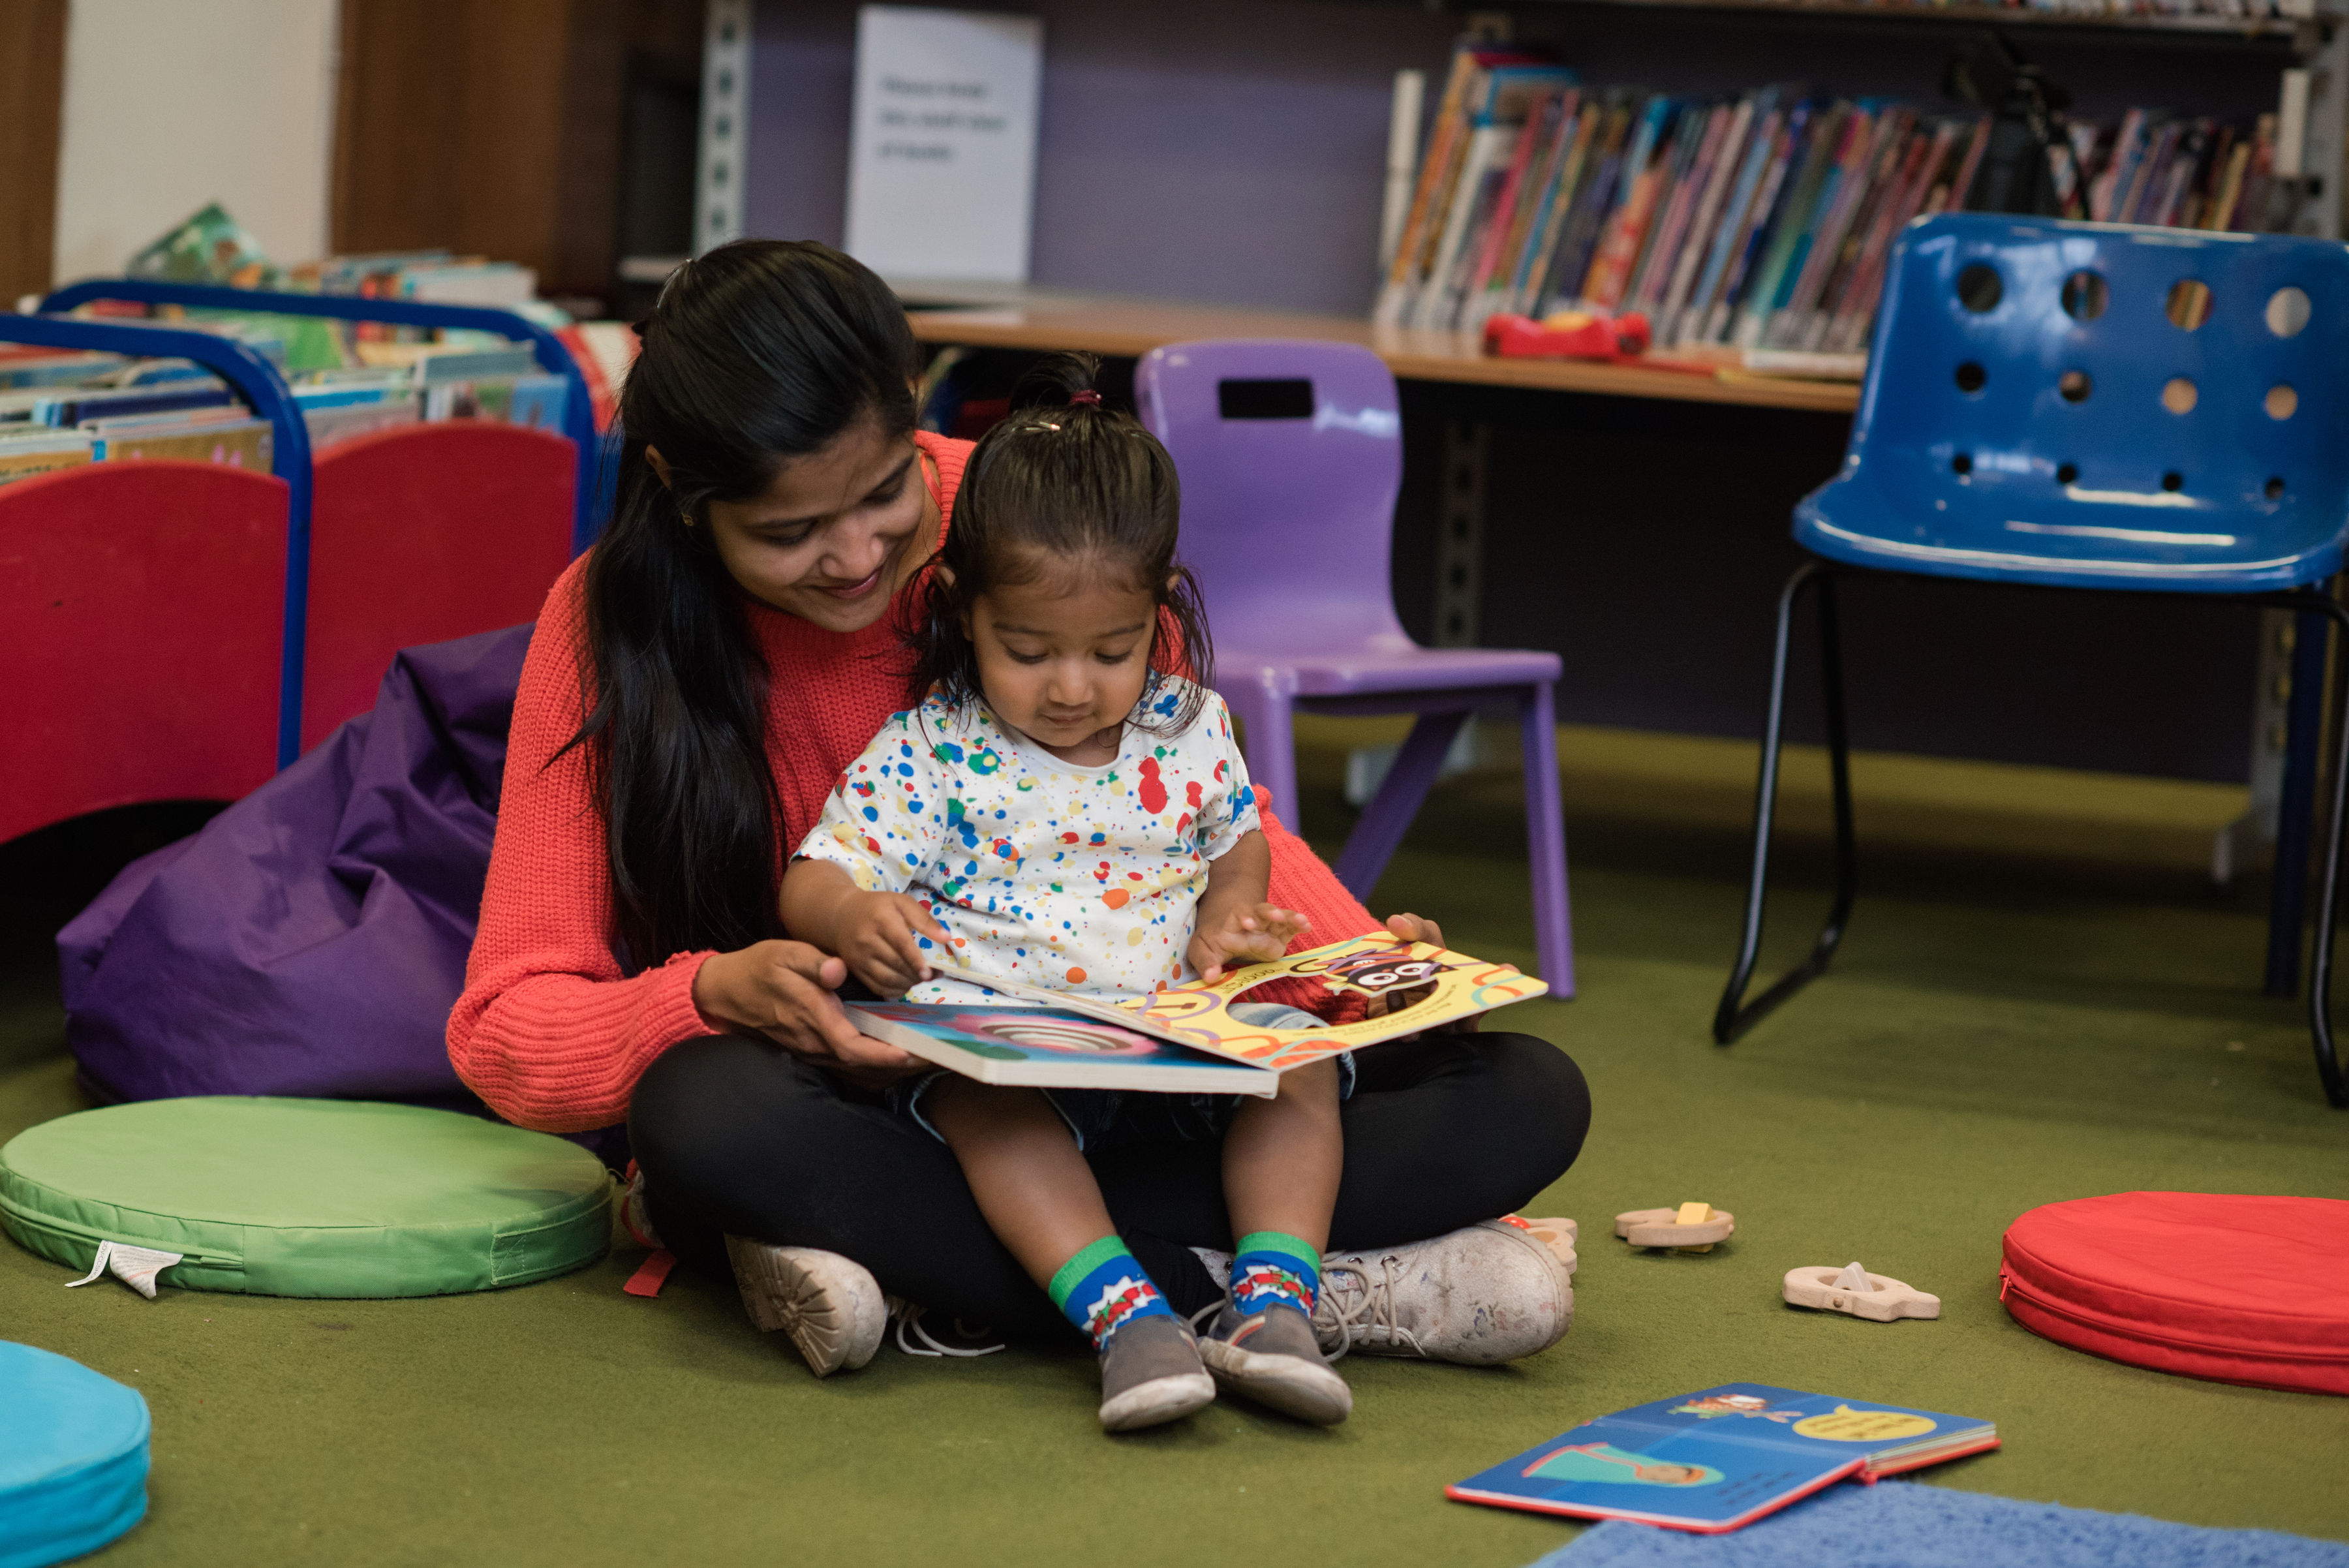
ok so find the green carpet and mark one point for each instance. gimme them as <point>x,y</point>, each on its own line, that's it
<point>1999,1032</point>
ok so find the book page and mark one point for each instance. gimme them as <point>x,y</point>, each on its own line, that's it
<point>1376,966</point>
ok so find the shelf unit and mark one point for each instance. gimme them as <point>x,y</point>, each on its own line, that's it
<point>2273,30</point>
<point>1130,329</point>
<point>1197,178</point>
<point>2311,53</point>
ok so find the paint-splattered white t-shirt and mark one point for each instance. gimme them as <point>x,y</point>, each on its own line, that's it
<point>1074,878</point>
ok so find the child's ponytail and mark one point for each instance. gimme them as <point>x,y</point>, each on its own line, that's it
<point>1065,485</point>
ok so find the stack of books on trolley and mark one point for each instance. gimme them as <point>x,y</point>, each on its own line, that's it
<point>62,408</point>
<point>1761,223</point>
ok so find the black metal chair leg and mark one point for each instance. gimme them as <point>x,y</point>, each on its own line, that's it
<point>1732,1019</point>
<point>2296,802</point>
<point>2319,980</point>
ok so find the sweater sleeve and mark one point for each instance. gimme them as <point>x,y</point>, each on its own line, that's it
<point>548,1032</point>
<point>1301,882</point>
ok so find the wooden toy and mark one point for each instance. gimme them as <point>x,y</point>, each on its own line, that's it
<point>1558,1235</point>
<point>1691,1227</point>
<point>1880,1298</point>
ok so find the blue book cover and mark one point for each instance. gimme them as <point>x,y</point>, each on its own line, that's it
<point>1721,1457</point>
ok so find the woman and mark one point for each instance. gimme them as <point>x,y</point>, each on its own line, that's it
<point>694,686</point>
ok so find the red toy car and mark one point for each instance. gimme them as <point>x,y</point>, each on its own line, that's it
<point>1568,335</point>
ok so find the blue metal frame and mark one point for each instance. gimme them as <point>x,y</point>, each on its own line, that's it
<point>578,414</point>
<point>259,384</point>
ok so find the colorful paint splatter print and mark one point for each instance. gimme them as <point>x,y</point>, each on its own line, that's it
<point>1074,878</point>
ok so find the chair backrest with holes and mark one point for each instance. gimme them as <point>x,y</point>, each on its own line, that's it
<point>2091,404</point>
<point>1290,455</point>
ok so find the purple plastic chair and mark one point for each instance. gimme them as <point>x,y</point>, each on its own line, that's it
<point>1292,456</point>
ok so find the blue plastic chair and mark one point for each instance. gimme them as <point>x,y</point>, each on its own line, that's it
<point>2100,407</point>
<point>1292,456</point>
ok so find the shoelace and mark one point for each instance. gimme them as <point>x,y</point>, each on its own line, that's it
<point>1374,1300</point>
<point>907,1315</point>
<point>1204,1312</point>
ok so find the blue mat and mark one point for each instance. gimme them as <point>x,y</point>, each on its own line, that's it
<point>1903,1524</point>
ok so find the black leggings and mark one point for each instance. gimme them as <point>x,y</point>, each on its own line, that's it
<point>736,1136</point>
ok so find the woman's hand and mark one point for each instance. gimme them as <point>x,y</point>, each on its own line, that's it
<point>1419,928</point>
<point>1258,933</point>
<point>784,991</point>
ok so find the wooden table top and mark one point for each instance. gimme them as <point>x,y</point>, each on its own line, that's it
<point>1132,329</point>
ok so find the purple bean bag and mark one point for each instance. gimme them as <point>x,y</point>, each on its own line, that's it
<point>311,938</point>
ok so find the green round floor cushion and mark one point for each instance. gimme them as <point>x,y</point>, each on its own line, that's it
<point>307,1198</point>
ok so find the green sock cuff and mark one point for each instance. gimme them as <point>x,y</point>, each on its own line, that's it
<point>1282,1243</point>
<point>1073,1273</point>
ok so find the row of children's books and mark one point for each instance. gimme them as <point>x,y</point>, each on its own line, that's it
<point>2172,172</point>
<point>1762,222</point>
<point>61,410</point>
<point>210,246</point>
<point>2228,10</point>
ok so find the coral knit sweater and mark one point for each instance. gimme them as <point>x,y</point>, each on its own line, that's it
<point>548,1031</point>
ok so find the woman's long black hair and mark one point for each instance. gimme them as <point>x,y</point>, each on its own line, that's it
<point>1060,484</point>
<point>759,352</point>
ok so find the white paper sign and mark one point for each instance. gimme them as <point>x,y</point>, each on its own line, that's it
<point>942,160</point>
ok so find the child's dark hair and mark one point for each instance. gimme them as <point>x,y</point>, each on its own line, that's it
<point>1064,485</point>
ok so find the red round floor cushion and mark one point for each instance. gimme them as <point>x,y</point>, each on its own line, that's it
<point>2236,1289</point>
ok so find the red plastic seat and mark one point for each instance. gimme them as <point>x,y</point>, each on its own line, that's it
<point>141,612</point>
<point>424,534</point>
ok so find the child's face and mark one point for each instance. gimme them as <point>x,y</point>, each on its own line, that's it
<point>1063,660</point>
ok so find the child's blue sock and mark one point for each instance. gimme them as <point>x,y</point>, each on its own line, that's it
<point>1103,1288</point>
<point>1273,1268</point>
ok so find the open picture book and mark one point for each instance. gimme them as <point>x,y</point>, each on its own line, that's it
<point>1721,1457</point>
<point>1183,1038</point>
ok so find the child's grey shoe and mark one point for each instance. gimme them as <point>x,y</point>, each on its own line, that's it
<point>1271,1357</point>
<point>1151,1374</point>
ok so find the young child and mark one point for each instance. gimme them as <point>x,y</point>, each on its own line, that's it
<point>1062,811</point>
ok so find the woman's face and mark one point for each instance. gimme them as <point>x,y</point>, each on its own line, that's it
<point>837,534</point>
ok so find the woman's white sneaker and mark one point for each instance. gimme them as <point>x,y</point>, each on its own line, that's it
<point>1491,1293</point>
<point>830,1308</point>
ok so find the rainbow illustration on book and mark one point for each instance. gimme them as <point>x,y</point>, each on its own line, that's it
<point>1379,966</point>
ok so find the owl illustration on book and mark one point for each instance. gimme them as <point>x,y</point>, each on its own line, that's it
<point>1378,971</point>
<point>1607,1463</point>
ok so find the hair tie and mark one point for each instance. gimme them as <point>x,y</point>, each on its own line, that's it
<point>1088,399</point>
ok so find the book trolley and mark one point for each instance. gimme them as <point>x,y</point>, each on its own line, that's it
<point>153,611</point>
<point>176,591</point>
<point>425,532</point>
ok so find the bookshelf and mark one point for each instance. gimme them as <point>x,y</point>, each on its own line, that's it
<point>1214,166</point>
<point>2199,30</point>
<point>1130,329</point>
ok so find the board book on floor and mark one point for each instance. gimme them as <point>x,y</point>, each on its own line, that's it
<point>1183,1037</point>
<point>1721,1457</point>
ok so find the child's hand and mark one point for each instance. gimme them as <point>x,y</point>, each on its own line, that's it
<point>880,935</point>
<point>1418,929</point>
<point>1258,932</point>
